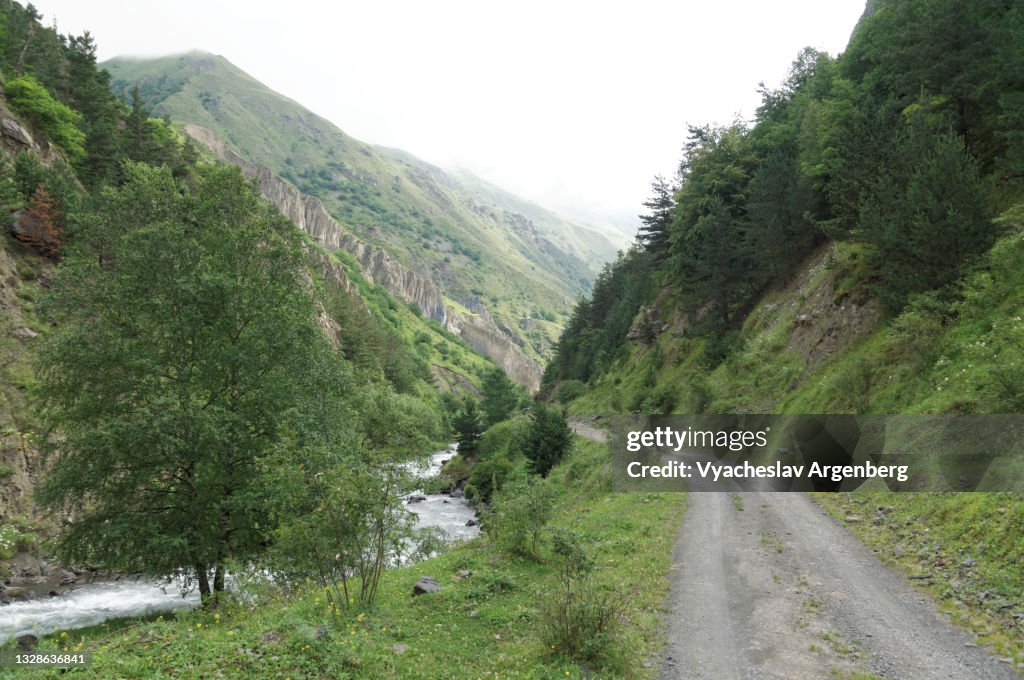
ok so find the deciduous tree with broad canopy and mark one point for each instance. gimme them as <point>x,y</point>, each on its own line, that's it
<point>189,351</point>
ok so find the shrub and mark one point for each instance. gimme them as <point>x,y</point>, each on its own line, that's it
<point>520,512</point>
<point>582,619</point>
<point>663,399</point>
<point>915,333</point>
<point>348,536</point>
<point>56,120</point>
<point>18,535</point>
<point>853,385</point>
<point>488,475</point>
<point>570,390</point>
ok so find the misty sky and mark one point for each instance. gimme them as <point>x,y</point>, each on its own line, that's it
<point>568,103</point>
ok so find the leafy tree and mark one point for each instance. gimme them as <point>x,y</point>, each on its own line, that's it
<point>548,440</point>
<point>499,396</point>
<point>57,121</point>
<point>489,474</point>
<point>469,428</point>
<point>188,354</point>
<point>331,529</point>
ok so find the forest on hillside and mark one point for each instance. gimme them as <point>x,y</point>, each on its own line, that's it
<point>907,149</point>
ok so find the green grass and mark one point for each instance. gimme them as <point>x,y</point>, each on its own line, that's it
<point>964,549</point>
<point>482,626</point>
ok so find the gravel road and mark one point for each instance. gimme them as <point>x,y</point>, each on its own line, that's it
<point>766,586</point>
<point>588,429</point>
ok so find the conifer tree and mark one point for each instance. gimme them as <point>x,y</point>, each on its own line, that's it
<point>548,440</point>
<point>654,234</point>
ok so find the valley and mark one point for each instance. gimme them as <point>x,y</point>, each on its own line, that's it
<point>233,337</point>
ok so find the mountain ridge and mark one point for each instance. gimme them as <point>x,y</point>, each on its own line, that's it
<point>518,268</point>
<point>310,215</point>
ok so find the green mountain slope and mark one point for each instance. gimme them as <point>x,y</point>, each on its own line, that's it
<point>477,246</point>
<point>594,243</point>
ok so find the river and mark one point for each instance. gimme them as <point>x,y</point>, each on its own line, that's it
<point>93,603</point>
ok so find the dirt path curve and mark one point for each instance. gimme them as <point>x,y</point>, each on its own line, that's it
<point>767,586</point>
<point>588,429</point>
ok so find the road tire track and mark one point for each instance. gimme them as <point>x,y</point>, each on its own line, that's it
<point>766,586</point>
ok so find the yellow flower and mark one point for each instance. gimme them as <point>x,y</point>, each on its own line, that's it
<point>199,625</point>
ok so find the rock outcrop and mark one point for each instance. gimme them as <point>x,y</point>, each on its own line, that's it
<point>12,129</point>
<point>310,215</point>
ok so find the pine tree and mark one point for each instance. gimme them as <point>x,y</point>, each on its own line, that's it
<point>548,440</point>
<point>138,141</point>
<point>654,234</point>
<point>469,428</point>
<point>499,396</point>
<point>926,218</point>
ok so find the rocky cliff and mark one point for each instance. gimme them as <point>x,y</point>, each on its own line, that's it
<point>309,214</point>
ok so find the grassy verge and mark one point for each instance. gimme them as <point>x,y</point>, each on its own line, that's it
<point>964,549</point>
<point>485,625</point>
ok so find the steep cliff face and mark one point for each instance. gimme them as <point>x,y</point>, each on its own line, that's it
<point>21,272</point>
<point>382,269</point>
<point>310,215</point>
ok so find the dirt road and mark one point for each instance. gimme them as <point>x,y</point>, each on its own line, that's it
<point>766,586</point>
<point>588,429</point>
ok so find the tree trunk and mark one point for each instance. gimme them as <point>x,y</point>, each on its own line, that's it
<point>204,582</point>
<point>218,579</point>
